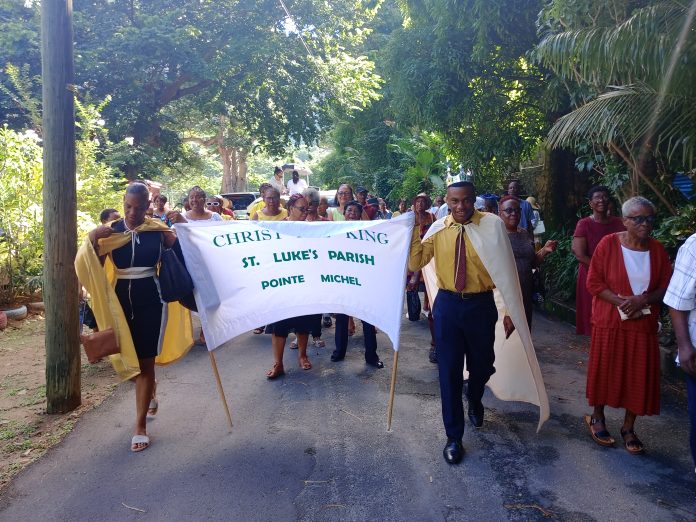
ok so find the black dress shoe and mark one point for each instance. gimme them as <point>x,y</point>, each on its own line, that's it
<point>453,452</point>
<point>476,414</point>
<point>376,364</point>
<point>335,357</point>
<point>432,355</point>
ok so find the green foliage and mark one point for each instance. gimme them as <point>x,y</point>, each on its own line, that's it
<point>19,45</point>
<point>674,230</point>
<point>21,198</point>
<point>21,213</point>
<point>560,268</point>
<point>459,68</point>
<point>423,163</point>
<point>275,78</point>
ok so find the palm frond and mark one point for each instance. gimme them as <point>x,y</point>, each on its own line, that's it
<point>630,114</point>
<point>638,49</point>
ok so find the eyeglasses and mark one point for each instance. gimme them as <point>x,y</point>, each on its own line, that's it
<point>344,193</point>
<point>512,211</point>
<point>212,204</point>
<point>639,220</point>
<point>301,209</point>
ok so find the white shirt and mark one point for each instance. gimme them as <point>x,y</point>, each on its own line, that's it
<point>296,188</point>
<point>277,184</point>
<point>637,265</point>
<point>681,292</point>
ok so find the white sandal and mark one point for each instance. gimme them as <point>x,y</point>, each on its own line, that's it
<point>152,409</point>
<point>140,443</point>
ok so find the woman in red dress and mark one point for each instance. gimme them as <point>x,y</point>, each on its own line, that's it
<point>588,233</point>
<point>628,277</point>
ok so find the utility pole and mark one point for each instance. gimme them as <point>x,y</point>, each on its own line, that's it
<point>60,208</point>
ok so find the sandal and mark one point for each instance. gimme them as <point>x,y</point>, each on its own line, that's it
<point>140,443</point>
<point>318,342</point>
<point>633,445</point>
<point>152,409</point>
<point>275,372</point>
<point>305,364</point>
<point>601,437</point>
<point>259,330</point>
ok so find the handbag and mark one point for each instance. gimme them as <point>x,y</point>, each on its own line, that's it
<point>413,304</point>
<point>100,344</point>
<point>175,281</point>
<point>539,229</point>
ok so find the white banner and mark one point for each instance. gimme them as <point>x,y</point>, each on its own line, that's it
<point>251,273</point>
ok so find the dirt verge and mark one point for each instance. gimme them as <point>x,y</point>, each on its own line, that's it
<point>26,431</point>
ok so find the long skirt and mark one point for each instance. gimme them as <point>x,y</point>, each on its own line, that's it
<point>624,370</point>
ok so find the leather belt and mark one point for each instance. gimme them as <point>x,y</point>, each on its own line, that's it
<point>467,295</point>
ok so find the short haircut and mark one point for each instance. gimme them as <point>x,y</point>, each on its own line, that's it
<point>295,172</point>
<point>196,189</point>
<point>263,187</point>
<point>637,201</point>
<point>312,195</point>
<point>353,204</point>
<point>598,188</point>
<point>160,197</point>
<point>292,201</point>
<point>508,197</point>
<point>273,191</point>
<point>104,215</point>
<point>462,184</point>
<point>139,189</point>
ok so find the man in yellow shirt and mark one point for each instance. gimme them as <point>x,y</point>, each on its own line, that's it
<point>465,313</point>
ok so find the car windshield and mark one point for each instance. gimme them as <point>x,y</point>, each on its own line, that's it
<point>240,201</point>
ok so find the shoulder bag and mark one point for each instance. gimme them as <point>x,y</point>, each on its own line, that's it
<point>100,344</point>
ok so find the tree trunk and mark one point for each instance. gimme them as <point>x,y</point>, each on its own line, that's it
<point>242,170</point>
<point>226,169</point>
<point>559,191</point>
<point>60,209</point>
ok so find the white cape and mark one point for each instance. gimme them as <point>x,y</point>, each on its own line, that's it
<point>517,376</point>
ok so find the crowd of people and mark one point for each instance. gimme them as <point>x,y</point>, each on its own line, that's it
<point>624,277</point>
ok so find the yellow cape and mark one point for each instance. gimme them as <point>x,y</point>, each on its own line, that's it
<point>517,374</point>
<point>100,282</point>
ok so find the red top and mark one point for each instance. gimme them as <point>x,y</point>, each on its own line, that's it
<point>593,232</point>
<point>607,270</point>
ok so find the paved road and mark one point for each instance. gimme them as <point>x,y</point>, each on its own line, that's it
<point>313,446</point>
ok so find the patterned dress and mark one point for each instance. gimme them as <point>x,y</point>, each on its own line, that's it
<point>525,259</point>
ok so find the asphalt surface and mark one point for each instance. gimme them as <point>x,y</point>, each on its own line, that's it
<point>313,445</point>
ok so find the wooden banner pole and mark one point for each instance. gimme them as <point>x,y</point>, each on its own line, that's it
<point>392,387</point>
<point>213,363</point>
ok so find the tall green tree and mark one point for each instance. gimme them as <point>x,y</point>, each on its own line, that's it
<point>633,66</point>
<point>276,76</point>
<point>460,68</point>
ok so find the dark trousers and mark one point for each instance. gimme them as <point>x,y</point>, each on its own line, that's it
<point>342,339</point>
<point>691,393</point>
<point>463,328</point>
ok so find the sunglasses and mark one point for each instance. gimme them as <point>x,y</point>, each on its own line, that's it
<point>212,204</point>
<point>512,211</point>
<point>639,220</point>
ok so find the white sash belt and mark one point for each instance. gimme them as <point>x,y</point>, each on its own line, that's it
<point>136,272</point>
